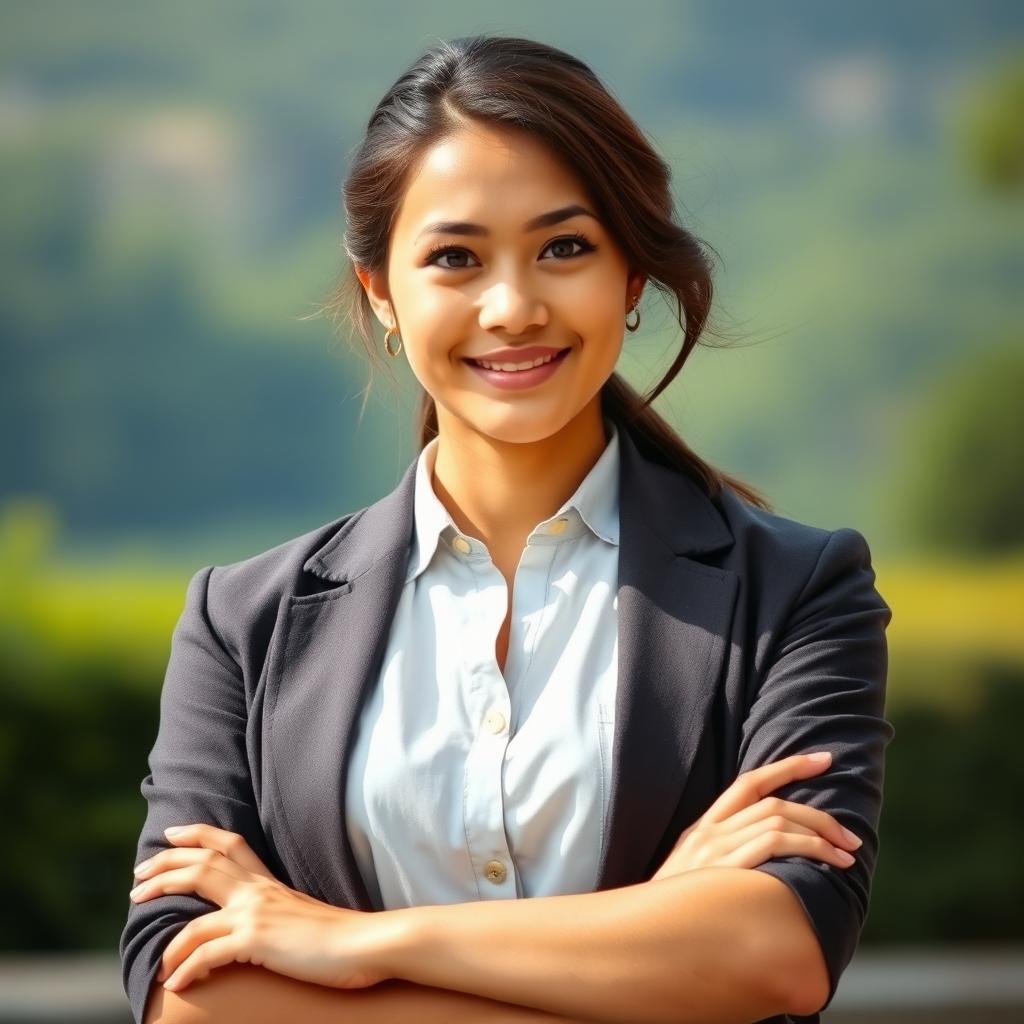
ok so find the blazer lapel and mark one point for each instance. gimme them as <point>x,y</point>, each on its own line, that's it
<point>674,615</point>
<point>674,618</point>
<point>328,653</point>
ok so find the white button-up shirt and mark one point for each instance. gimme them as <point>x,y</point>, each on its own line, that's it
<point>468,784</point>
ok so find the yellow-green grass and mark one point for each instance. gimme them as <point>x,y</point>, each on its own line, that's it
<point>951,616</point>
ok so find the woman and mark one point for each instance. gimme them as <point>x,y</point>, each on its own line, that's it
<point>531,737</point>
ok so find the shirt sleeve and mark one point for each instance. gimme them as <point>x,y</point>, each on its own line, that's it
<point>824,689</point>
<point>198,772</point>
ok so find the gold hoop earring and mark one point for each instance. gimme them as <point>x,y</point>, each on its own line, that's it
<point>636,324</point>
<point>387,342</point>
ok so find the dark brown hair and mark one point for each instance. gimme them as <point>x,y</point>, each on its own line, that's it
<point>527,85</point>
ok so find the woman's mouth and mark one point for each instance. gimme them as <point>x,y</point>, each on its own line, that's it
<point>510,379</point>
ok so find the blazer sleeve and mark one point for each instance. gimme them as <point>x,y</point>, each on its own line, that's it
<point>824,689</point>
<point>198,772</point>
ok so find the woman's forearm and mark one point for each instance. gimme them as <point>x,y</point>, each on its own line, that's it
<point>712,945</point>
<point>247,994</point>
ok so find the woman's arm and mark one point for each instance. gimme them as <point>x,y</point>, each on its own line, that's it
<point>199,772</point>
<point>712,945</point>
<point>825,689</point>
<point>247,994</point>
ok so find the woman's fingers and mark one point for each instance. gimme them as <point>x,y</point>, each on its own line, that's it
<point>751,786</point>
<point>785,844</point>
<point>212,883</point>
<point>230,844</point>
<point>746,825</point>
<point>216,953</point>
<point>783,834</point>
<point>811,818</point>
<point>180,858</point>
<point>199,930</point>
<point>771,835</point>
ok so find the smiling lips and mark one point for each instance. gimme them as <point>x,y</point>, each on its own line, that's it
<point>512,360</point>
<point>510,367</point>
<point>534,372</point>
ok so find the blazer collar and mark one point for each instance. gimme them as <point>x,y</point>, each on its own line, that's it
<point>651,497</point>
<point>674,620</point>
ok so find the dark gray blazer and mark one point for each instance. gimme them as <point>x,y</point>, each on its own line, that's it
<point>744,637</point>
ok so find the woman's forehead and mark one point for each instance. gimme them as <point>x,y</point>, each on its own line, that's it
<point>498,183</point>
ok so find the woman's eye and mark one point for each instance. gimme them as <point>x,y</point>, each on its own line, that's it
<point>581,242</point>
<point>442,252</point>
<point>447,252</point>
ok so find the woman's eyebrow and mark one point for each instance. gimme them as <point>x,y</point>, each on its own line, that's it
<point>544,220</point>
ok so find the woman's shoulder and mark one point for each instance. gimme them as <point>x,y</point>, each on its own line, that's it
<point>288,556</point>
<point>767,538</point>
<point>244,596</point>
<point>751,522</point>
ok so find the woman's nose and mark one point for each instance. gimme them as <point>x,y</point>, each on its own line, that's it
<point>513,308</point>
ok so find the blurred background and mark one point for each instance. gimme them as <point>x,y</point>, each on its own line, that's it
<point>170,219</point>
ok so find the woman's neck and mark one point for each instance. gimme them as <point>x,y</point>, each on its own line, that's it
<point>498,491</point>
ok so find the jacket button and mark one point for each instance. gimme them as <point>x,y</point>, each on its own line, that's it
<point>495,871</point>
<point>495,721</point>
<point>463,545</point>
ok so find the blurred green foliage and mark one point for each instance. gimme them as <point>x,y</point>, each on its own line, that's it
<point>993,129</point>
<point>962,485</point>
<point>951,830</point>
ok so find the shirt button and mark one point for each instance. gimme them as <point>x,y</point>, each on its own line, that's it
<point>495,871</point>
<point>463,545</point>
<point>495,721</point>
<point>559,525</point>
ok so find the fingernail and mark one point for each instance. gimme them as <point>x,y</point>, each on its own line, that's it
<point>820,756</point>
<point>139,868</point>
<point>174,830</point>
<point>846,858</point>
<point>851,838</point>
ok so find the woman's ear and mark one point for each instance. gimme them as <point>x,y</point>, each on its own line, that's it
<point>634,286</point>
<point>376,291</point>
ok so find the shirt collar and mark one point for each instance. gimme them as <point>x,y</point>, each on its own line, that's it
<point>594,507</point>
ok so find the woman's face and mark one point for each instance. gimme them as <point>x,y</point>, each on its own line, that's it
<point>499,282</point>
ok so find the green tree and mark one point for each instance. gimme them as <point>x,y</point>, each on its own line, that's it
<point>992,129</point>
<point>962,485</point>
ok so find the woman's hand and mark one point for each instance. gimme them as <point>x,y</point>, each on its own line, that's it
<point>744,828</point>
<point>261,920</point>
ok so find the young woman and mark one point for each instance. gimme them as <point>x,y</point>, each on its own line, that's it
<point>532,737</point>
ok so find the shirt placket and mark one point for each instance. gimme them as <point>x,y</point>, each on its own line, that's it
<point>489,708</point>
